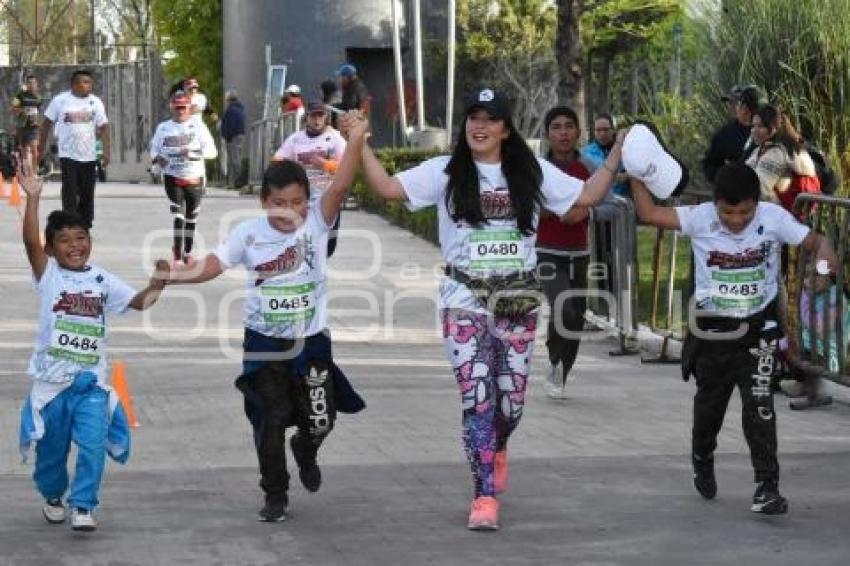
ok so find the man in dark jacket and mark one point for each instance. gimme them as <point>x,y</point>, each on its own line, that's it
<point>729,142</point>
<point>233,132</point>
<point>355,95</point>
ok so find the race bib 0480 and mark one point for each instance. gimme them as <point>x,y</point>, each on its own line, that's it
<point>496,249</point>
<point>76,341</point>
<point>740,290</point>
<point>288,303</point>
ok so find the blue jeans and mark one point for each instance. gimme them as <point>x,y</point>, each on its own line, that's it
<point>80,413</point>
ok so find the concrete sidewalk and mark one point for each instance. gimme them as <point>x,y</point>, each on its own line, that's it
<point>601,479</point>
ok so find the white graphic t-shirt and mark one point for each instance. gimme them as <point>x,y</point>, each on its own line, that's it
<point>72,321</point>
<point>76,121</point>
<point>495,248</point>
<point>737,274</point>
<point>302,148</point>
<point>287,274</point>
<point>171,138</point>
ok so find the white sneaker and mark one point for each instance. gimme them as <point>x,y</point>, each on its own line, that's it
<point>54,511</point>
<point>82,520</point>
<point>554,384</point>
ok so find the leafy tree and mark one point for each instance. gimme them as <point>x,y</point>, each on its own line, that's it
<point>190,39</point>
<point>509,44</point>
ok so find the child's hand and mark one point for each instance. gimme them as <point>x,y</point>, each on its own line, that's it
<point>161,274</point>
<point>358,127</point>
<point>28,177</point>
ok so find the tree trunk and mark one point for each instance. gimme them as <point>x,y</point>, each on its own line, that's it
<point>568,53</point>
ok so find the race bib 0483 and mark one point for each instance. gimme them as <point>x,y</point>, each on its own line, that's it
<point>741,290</point>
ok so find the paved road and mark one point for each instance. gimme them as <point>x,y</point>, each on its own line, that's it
<point>601,479</point>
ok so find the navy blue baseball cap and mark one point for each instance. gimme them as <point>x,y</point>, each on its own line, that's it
<point>347,70</point>
<point>490,100</point>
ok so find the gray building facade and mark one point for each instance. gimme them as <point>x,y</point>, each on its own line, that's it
<point>313,38</point>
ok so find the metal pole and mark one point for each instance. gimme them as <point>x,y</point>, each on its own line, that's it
<point>417,53</point>
<point>92,35</point>
<point>399,77</point>
<point>450,79</point>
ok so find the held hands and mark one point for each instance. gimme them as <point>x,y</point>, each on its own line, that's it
<point>621,136</point>
<point>161,275</point>
<point>28,177</point>
<point>354,126</point>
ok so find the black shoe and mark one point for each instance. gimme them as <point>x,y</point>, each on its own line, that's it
<point>767,499</point>
<point>275,508</point>
<point>704,476</point>
<point>308,469</point>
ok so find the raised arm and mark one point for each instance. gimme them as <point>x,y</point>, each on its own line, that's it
<point>334,196</point>
<point>649,212</point>
<point>32,185</point>
<point>378,179</point>
<point>600,183</point>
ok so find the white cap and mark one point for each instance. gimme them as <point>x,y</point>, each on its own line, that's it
<point>293,89</point>
<point>645,159</point>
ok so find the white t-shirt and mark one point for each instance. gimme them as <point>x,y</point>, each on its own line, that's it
<point>496,247</point>
<point>287,274</point>
<point>737,274</point>
<point>199,103</point>
<point>302,148</point>
<point>72,321</point>
<point>76,121</point>
<point>171,138</point>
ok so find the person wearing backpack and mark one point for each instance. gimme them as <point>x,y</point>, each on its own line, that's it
<point>784,167</point>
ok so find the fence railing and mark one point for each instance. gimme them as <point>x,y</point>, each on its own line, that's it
<point>614,245</point>
<point>818,316</point>
<point>264,137</point>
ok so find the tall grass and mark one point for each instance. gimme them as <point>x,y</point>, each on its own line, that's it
<point>799,52</point>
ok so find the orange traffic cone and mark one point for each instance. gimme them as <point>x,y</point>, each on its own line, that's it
<point>2,186</point>
<point>15,195</point>
<point>119,382</point>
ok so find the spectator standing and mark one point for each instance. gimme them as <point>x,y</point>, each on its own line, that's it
<point>563,254</point>
<point>26,106</point>
<point>596,152</point>
<point>78,120</point>
<point>728,143</point>
<point>233,132</point>
<point>355,95</point>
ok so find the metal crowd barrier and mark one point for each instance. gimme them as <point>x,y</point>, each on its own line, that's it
<point>818,333</point>
<point>264,137</point>
<point>614,246</point>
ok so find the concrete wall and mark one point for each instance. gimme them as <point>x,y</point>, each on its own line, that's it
<point>314,38</point>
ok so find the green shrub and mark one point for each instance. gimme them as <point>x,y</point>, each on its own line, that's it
<point>422,223</point>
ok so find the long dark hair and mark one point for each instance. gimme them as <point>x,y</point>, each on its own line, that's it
<point>786,134</point>
<point>520,168</point>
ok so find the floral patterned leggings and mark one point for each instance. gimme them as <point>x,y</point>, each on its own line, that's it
<point>490,358</point>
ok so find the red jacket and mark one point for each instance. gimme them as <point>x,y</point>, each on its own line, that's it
<point>554,234</point>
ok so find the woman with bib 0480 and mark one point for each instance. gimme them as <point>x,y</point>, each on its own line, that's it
<point>489,194</point>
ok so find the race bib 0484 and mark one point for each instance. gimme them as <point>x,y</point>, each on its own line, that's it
<point>76,341</point>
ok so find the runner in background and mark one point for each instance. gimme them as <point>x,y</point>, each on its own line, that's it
<point>318,148</point>
<point>26,105</point>
<point>180,146</point>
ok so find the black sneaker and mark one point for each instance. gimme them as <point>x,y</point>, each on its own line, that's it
<point>308,469</point>
<point>275,508</point>
<point>704,476</point>
<point>767,499</point>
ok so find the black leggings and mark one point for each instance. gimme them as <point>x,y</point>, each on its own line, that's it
<point>285,400</point>
<point>185,204</point>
